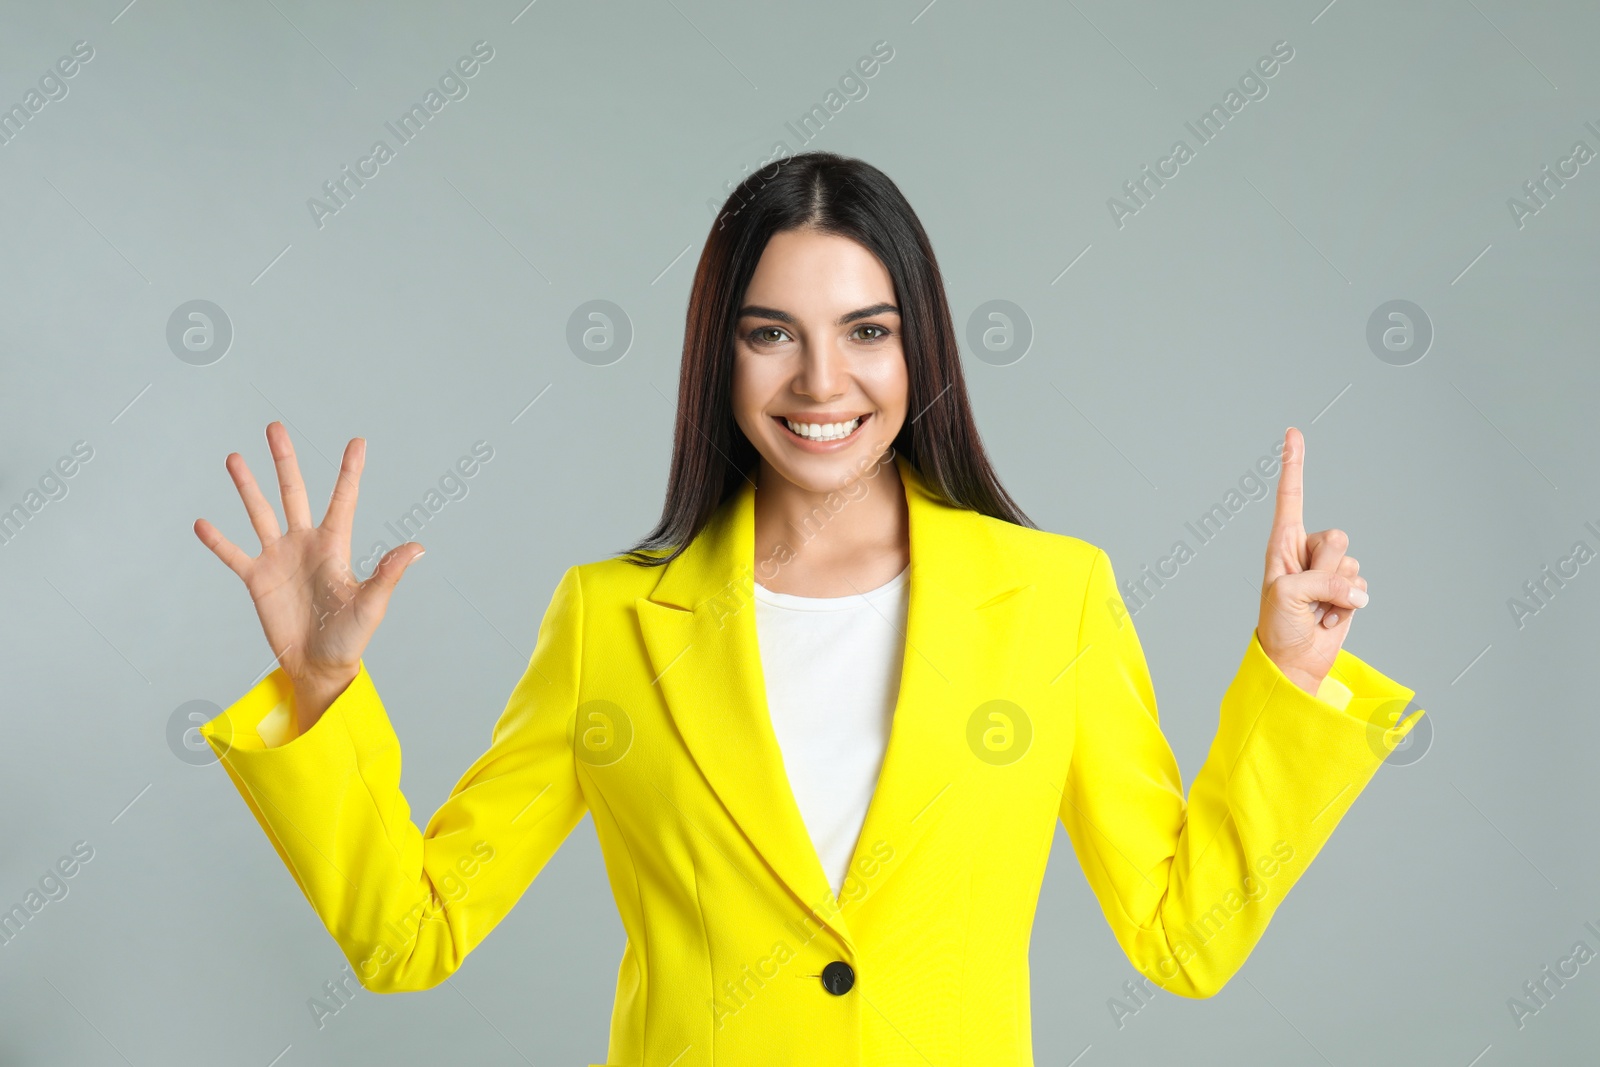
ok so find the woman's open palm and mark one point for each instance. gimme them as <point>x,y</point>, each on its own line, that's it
<point>317,615</point>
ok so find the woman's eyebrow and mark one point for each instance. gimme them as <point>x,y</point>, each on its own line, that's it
<point>756,311</point>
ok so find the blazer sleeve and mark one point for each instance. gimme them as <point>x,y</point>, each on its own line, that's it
<point>407,905</point>
<point>1189,887</point>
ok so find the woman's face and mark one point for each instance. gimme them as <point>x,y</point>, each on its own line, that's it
<point>819,376</point>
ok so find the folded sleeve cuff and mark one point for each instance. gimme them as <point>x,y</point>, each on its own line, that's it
<point>351,746</point>
<point>1331,743</point>
<point>262,721</point>
<point>1353,686</point>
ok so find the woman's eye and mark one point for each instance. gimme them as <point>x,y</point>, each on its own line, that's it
<point>771,335</point>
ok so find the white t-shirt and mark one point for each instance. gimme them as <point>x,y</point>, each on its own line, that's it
<point>832,671</point>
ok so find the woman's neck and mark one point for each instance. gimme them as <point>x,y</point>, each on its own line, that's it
<point>831,543</point>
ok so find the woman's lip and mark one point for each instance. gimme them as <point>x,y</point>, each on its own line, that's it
<point>823,418</point>
<point>808,445</point>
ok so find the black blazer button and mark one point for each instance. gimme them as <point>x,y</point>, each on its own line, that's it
<point>837,978</point>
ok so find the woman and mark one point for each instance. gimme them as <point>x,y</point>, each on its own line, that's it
<point>826,715</point>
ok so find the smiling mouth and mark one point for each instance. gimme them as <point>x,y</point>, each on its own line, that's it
<point>822,432</point>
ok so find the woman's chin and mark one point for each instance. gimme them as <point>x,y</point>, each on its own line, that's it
<point>826,472</point>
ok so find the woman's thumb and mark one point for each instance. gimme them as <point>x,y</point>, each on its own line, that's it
<point>387,574</point>
<point>1325,587</point>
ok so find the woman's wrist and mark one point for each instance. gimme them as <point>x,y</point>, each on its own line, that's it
<point>314,694</point>
<point>1309,682</point>
<point>1304,679</point>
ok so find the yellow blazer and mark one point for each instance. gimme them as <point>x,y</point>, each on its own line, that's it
<point>1024,698</point>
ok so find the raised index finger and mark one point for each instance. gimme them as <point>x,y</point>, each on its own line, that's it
<point>1287,518</point>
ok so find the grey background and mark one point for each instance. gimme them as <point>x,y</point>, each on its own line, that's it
<point>431,310</point>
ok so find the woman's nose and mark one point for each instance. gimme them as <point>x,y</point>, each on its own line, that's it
<point>822,373</point>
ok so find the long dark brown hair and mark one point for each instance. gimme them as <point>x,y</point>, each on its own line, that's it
<point>831,194</point>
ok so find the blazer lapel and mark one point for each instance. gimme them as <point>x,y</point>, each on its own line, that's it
<point>968,606</point>
<point>699,629</point>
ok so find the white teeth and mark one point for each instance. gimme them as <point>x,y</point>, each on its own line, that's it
<point>831,431</point>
